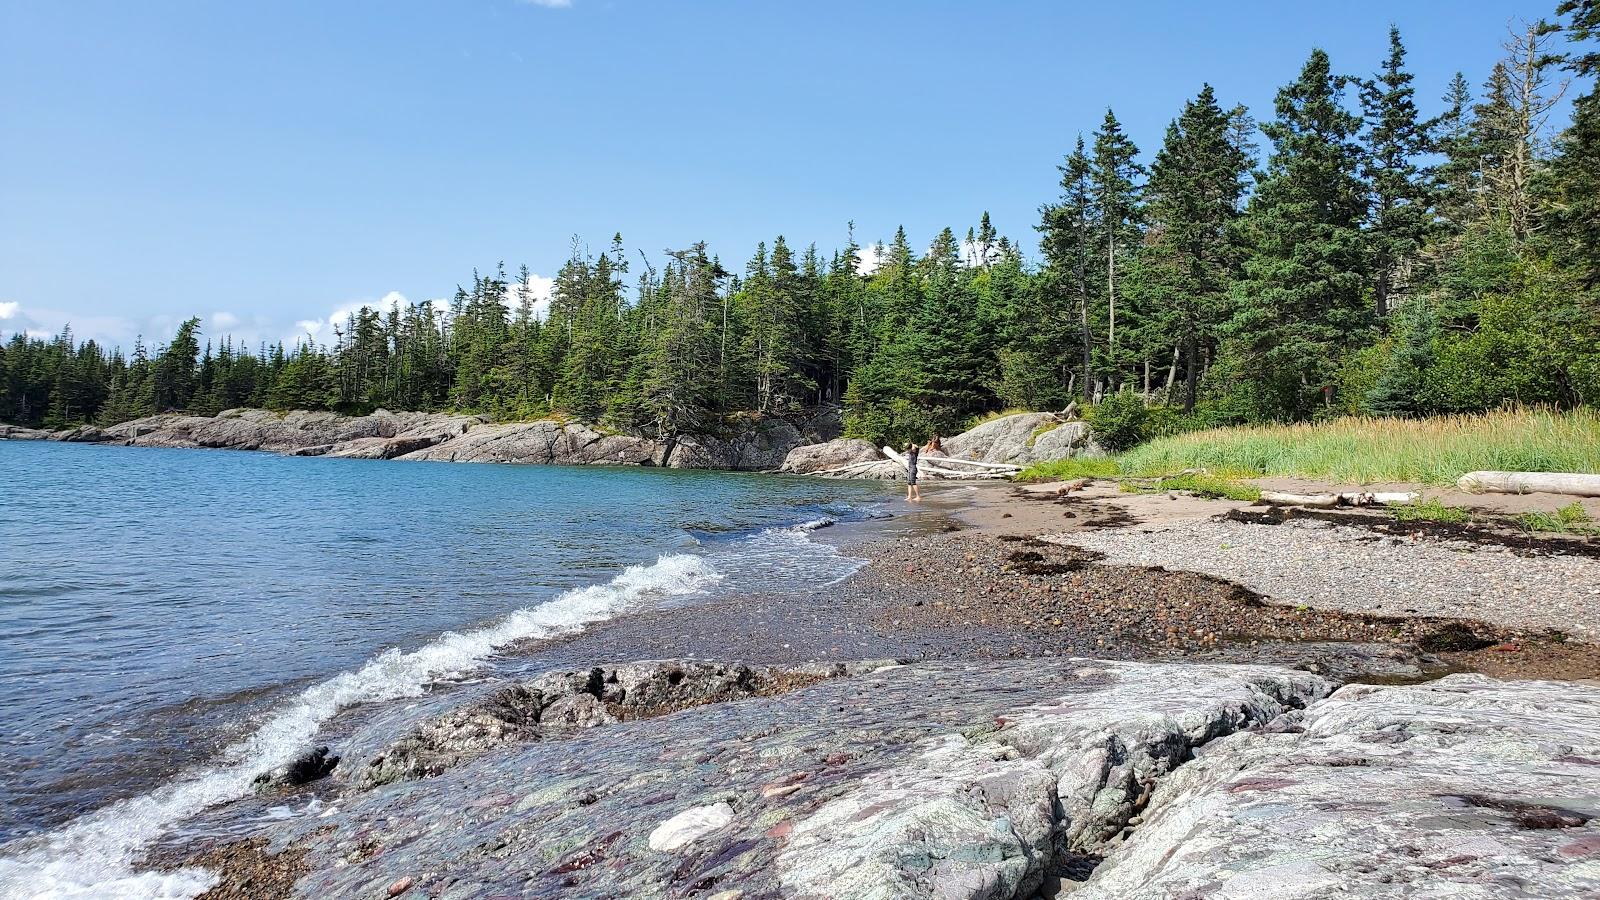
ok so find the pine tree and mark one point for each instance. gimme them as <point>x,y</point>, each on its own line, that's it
<point>1575,170</point>
<point>945,357</point>
<point>1458,178</point>
<point>1190,257</point>
<point>1400,199</point>
<point>1299,306</point>
<point>1113,176</point>
<point>1067,230</point>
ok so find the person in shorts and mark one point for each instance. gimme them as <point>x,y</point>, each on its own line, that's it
<point>913,493</point>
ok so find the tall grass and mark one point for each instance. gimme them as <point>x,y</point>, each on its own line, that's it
<point>1362,450</point>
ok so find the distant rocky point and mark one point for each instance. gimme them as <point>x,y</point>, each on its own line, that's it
<point>803,445</point>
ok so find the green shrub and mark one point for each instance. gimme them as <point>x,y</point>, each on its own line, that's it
<point>1569,519</point>
<point>1075,467</point>
<point>1201,484</point>
<point>1120,422</point>
<point>1429,511</point>
<point>1166,421</point>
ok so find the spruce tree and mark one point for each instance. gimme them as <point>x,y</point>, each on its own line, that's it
<point>1300,306</point>
<point>945,359</point>
<point>1457,178</point>
<point>1575,169</point>
<point>1114,176</point>
<point>1400,206</point>
<point>1067,239</point>
<point>1190,257</point>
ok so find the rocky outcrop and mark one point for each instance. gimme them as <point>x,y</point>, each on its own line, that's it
<point>18,433</point>
<point>82,434</point>
<point>761,447</point>
<point>1462,787</point>
<point>1000,779</point>
<point>759,444</point>
<point>813,458</point>
<point>1023,438</point>
<point>547,442</point>
<point>560,702</point>
<point>380,435</point>
<point>993,814</point>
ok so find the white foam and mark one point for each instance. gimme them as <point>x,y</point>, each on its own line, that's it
<point>94,856</point>
<point>786,558</point>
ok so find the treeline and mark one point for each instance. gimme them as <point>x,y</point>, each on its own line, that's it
<point>1379,259</point>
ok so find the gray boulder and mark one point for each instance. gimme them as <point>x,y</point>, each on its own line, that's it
<point>312,765</point>
<point>18,433</point>
<point>812,458</point>
<point>1023,438</point>
<point>758,446</point>
<point>546,442</point>
<point>1462,787</point>
<point>992,814</point>
<point>1064,441</point>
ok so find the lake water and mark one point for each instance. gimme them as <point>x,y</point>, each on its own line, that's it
<point>174,622</point>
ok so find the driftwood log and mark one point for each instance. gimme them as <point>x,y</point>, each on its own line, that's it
<point>1330,500</point>
<point>1530,482</point>
<point>926,466</point>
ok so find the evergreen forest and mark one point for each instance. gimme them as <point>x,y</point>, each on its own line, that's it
<point>1359,248</point>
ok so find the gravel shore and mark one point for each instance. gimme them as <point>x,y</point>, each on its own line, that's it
<point>1352,570</point>
<point>986,611</point>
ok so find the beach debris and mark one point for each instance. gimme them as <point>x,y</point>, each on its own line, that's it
<point>1346,498</point>
<point>1576,484</point>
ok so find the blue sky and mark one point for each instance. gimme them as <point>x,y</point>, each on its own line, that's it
<point>267,164</point>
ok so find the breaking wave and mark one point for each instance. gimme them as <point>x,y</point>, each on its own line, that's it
<point>94,855</point>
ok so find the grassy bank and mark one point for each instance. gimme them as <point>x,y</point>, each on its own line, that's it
<point>1365,450</point>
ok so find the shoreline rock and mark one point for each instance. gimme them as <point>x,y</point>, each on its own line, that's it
<point>557,704</point>
<point>997,781</point>
<point>805,445</point>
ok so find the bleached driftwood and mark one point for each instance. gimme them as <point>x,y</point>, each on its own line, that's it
<point>1330,500</point>
<point>926,467</point>
<point>1530,482</point>
<point>945,460</point>
<point>850,468</point>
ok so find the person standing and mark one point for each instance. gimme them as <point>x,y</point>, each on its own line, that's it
<point>913,493</point>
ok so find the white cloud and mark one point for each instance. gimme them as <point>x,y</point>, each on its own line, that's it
<point>972,255</point>
<point>320,331</point>
<point>870,259</point>
<point>537,289</point>
<point>36,322</point>
<point>223,320</point>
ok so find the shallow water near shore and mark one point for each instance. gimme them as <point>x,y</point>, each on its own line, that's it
<point>174,622</point>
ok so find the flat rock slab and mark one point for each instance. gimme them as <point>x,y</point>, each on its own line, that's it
<point>998,780</point>
<point>1465,788</point>
<point>992,814</point>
